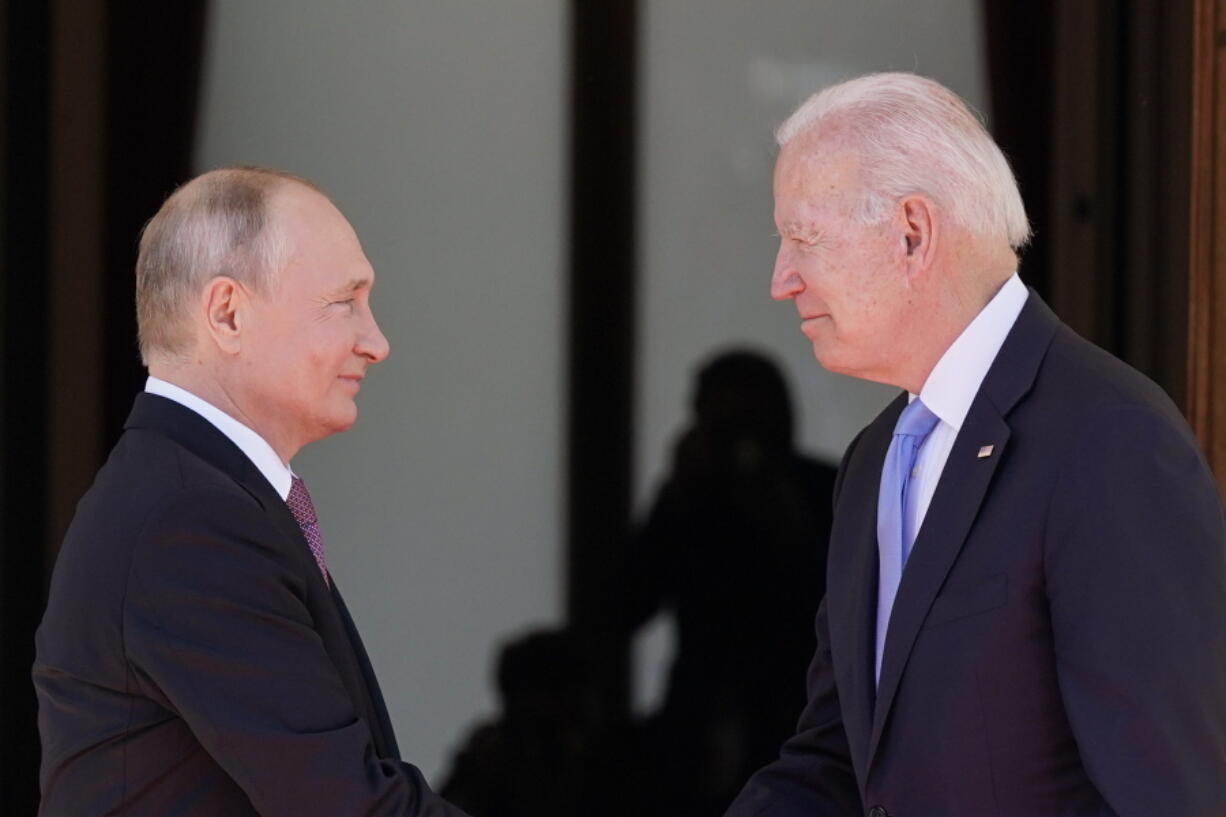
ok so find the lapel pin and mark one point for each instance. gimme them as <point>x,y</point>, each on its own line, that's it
<point>986,451</point>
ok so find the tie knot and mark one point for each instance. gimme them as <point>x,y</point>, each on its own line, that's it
<point>300,504</point>
<point>916,420</point>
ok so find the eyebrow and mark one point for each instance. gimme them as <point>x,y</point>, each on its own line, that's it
<point>798,229</point>
<point>354,285</point>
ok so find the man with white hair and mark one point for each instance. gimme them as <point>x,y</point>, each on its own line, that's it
<point>1026,598</point>
<point>195,657</point>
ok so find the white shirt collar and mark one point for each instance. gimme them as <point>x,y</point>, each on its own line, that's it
<point>250,443</point>
<point>954,381</point>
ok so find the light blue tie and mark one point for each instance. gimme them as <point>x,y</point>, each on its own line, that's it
<point>894,540</point>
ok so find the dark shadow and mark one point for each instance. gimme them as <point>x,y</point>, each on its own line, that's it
<point>550,752</point>
<point>734,547</point>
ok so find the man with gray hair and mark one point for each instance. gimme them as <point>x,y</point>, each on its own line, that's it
<point>1026,598</point>
<point>196,657</point>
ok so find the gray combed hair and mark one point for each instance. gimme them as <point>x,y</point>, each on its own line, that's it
<point>217,224</point>
<point>910,135</point>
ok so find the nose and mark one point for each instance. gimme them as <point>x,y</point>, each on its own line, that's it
<point>371,343</point>
<point>785,280</point>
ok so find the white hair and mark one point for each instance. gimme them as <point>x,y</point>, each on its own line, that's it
<point>911,134</point>
<point>219,223</point>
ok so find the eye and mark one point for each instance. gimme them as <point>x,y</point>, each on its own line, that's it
<point>813,240</point>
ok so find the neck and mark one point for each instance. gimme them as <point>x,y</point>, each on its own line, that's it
<point>203,382</point>
<point>946,318</point>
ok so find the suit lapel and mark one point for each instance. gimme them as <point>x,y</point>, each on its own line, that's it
<point>332,620</point>
<point>203,439</point>
<point>961,492</point>
<point>852,593</point>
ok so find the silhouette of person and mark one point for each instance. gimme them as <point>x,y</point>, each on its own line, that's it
<point>734,546</point>
<point>536,760</point>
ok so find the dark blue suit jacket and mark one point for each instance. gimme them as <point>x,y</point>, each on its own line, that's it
<point>1058,644</point>
<point>192,661</point>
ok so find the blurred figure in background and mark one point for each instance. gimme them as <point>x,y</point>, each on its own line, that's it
<point>734,546</point>
<point>544,755</point>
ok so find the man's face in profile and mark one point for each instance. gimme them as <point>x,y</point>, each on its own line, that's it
<point>312,334</point>
<point>843,275</point>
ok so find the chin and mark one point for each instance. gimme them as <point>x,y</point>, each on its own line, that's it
<point>827,357</point>
<point>341,420</point>
<point>831,361</point>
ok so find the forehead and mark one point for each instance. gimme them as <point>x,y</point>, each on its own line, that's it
<point>302,214</point>
<point>813,167</point>
<point>812,185</point>
<point>317,236</point>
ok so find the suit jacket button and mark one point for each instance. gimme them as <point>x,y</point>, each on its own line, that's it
<point>878,811</point>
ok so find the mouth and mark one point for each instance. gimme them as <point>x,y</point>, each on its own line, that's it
<point>813,325</point>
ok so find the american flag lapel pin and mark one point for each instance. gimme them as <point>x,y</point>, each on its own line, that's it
<point>986,451</point>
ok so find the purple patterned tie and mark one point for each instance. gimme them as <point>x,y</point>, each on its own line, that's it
<point>300,505</point>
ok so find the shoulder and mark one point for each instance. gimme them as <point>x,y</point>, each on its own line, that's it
<point>148,476</point>
<point>1091,411</point>
<point>1118,444</point>
<point>153,499</point>
<point>1090,379</point>
<point>157,516</point>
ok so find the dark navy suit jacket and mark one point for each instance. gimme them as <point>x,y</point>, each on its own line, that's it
<point>192,661</point>
<point>1058,643</point>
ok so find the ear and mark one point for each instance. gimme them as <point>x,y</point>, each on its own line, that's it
<point>225,304</point>
<point>920,233</point>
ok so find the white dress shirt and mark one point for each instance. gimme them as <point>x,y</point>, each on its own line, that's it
<point>253,445</point>
<point>951,388</point>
